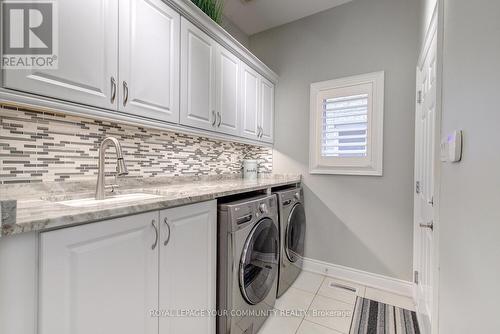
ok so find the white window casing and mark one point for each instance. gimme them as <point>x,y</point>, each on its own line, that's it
<point>346,125</point>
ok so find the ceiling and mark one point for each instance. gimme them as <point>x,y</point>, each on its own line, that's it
<point>258,15</point>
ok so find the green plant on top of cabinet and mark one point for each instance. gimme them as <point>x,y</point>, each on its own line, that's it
<point>213,8</point>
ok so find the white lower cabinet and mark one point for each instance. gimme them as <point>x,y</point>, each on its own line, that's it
<point>100,278</point>
<point>188,267</point>
<point>107,277</point>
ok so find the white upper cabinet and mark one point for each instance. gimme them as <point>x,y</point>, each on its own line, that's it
<point>100,277</point>
<point>149,59</point>
<point>227,90</point>
<point>256,106</point>
<point>266,110</point>
<point>145,60</point>
<point>87,57</point>
<point>249,100</point>
<point>188,265</point>
<point>197,78</point>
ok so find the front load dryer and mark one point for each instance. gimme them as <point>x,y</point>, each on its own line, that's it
<point>292,219</point>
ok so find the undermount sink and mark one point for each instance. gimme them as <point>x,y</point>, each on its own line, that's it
<point>89,202</point>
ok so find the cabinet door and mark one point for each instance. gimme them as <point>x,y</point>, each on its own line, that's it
<point>249,99</point>
<point>188,266</point>
<point>197,77</point>
<point>266,113</point>
<point>100,278</point>
<point>149,59</point>
<point>228,86</point>
<point>87,56</point>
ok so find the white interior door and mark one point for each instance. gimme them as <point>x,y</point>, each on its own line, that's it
<point>188,266</point>
<point>87,57</point>
<point>426,135</point>
<point>197,77</point>
<point>149,59</point>
<point>100,278</point>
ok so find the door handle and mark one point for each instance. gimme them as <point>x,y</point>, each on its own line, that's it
<point>125,93</point>
<point>156,234</point>
<point>429,225</point>
<point>168,229</point>
<point>220,119</point>
<point>113,89</point>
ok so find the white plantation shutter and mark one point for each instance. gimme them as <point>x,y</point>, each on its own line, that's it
<point>345,126</point>
<point>346,120</point>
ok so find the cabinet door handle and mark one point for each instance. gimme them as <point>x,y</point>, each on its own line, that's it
<point>125,93</point>
<point>156,234</point>
<point>113,89</point>
<point>214,118</point>
<point>220,119</point>
<point>168,229</point>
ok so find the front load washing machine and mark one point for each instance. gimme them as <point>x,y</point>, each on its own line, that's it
<point>247,264</point>
<point>292,236</point>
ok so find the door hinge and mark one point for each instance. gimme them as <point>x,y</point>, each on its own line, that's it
<point>417,187</point>
<point>419,97</point>
<point>415,277</point>
<point>431,202</point>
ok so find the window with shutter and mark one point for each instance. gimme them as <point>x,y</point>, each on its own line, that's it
<point>347,125</point>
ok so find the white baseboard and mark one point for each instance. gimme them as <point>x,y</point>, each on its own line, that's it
<point>377,281</point>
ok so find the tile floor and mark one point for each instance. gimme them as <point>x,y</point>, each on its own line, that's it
<point>329,307</point>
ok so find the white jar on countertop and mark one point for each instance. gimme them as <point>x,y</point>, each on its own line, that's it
<point>250,169</point>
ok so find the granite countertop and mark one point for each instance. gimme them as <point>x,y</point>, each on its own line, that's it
<point>39,207</point>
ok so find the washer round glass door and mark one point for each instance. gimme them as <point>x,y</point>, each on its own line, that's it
<point>295,233</point>
<point>259,262</point>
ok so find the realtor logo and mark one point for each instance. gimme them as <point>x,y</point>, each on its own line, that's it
<point>29,35</point>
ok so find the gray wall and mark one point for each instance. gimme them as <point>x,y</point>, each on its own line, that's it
<point>470,190</point>
<point>355,221</point>
<point>235,31</point>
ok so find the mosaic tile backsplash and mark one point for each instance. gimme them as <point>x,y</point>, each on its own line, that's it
<point>43,147</point>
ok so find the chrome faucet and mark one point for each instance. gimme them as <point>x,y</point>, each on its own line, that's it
<point>121,169</point>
